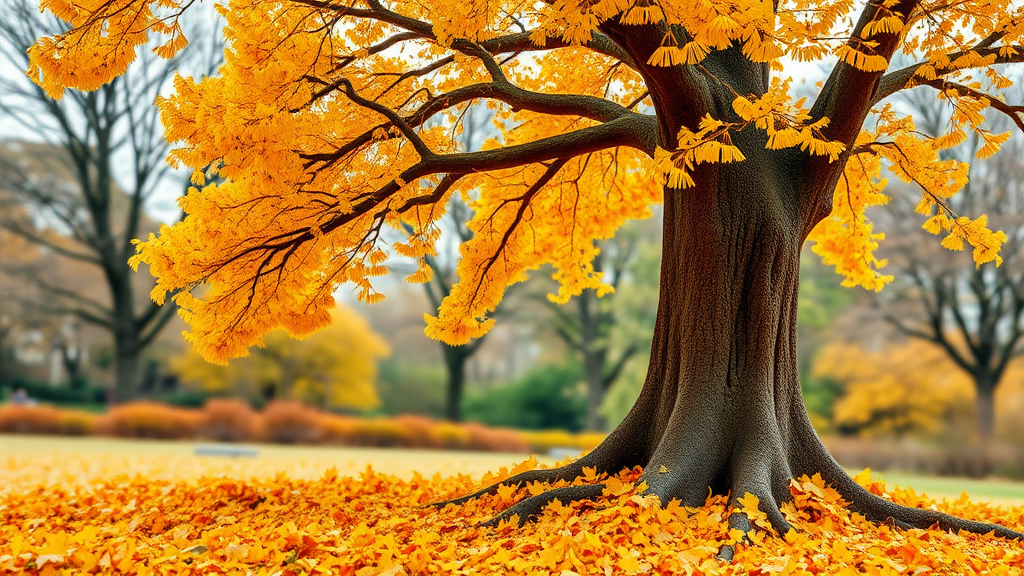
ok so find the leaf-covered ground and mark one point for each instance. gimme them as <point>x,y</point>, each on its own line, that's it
<point>62,513</point>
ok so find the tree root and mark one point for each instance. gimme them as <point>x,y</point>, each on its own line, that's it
<point>873,508</point>
<point>739,521</point>
<point>681,462</point>
<point>532,507</point>
<point>568,472</point>
<point>880,510</point>
<point>608,458</point>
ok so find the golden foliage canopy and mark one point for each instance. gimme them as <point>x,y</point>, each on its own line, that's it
<point>330,121</point>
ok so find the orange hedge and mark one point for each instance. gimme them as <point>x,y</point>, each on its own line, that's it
<point>29,419</point>
<point>284,422</point>
<point>151,420</point>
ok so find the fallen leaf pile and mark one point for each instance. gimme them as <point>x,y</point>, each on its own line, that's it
<point>169,521</point>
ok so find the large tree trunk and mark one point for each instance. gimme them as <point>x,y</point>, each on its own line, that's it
<point>721,406</point>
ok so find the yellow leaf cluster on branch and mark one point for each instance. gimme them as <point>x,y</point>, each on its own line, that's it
<point>113,30</point>
<point>787,124</point>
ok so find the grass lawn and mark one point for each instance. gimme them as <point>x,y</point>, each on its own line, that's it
<point>78,461</point>
<point>25,460</point>
<point>996,490</point>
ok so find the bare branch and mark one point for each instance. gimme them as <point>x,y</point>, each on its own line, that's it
<point>612,375</point>
<point>36,238</point>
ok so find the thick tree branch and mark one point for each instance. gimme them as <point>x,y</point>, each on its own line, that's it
<point>555,104</point>
<point>847,94</point>
<point>903,78</point>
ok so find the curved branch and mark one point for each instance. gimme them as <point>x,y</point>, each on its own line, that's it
<point>612,375</point>
<point>590,107</point>
<point>546,177</point>
<point>1013,112</point>
<point>393,117</point>
<point>157,320</point>
<point>903,78</point>
<point>41,240</point>
<point>518,42</point>
<point>633,131</point>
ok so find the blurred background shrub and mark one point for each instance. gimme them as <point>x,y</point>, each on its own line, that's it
<point>229,420</point>
<point>552,396</point>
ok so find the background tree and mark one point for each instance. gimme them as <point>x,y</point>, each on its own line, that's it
<point>323,140</point>
<point>25,265</point>
<point>608,331</point>
<point>974,314</point>
<point>93,144</point>
<point>334,369</point>
<point>15,252</point>
<point>820,303</point>
<point>443,263</point>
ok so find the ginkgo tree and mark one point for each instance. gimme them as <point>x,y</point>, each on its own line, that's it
<point>320,124</point>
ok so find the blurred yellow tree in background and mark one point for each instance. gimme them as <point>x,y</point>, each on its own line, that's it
<point>909,388</point>
<point>335,368</point>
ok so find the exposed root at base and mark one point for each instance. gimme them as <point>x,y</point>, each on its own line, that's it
<point>880,510</point>
<point>756,469</point>
<point>739,521</point>
<point>872,507</point>
<point>568,472</point>
<point>532,507</point>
